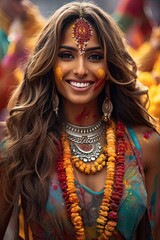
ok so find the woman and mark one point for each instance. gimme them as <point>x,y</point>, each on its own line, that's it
<point>81,154</point>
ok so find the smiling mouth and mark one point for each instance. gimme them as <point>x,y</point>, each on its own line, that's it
<point>80,84</point>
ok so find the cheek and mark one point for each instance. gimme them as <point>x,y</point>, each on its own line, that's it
<point>58,74</point>
<point>101,74</point>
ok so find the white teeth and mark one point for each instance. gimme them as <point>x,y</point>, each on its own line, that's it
<point>79,84</point>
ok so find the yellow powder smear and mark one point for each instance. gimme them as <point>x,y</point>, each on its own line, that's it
<point>101,73</point>
<point>58,73</point>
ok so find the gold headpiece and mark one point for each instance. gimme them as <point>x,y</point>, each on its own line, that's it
<point>82,32</point>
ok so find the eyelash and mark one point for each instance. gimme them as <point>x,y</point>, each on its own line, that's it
<point>95,56</point>
<point>92,57</point>
<point>65,55</point>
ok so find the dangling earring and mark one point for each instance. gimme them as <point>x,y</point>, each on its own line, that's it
<point>107,106</point>
<point>56,104</point>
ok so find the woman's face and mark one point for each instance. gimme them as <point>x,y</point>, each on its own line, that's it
<point>80,78</point>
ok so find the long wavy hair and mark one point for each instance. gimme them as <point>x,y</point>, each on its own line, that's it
<point>32,129</point>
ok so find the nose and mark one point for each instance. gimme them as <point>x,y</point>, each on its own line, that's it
<point>80,68</point>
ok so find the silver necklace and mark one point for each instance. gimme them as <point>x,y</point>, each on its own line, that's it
<point>85,135</point>
<point>84,141</point>
<point>86,156</point>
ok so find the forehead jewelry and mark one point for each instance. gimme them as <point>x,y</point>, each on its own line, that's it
<point>81,32</point>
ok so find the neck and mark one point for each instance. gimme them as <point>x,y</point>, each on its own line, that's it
<point>82,114</point>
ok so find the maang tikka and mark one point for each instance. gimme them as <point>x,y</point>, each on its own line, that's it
<point>107,106</point>
<point>81,32</point>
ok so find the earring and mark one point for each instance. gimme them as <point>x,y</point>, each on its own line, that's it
<point>56,104</point>
<point>107,106</point>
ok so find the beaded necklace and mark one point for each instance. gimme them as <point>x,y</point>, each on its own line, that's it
<point>113,189</point>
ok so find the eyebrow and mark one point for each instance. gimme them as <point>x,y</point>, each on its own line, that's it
<point>75,49</point>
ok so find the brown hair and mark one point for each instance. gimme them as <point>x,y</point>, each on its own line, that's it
<point>33,129</point>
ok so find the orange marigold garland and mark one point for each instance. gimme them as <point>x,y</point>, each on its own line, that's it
<point>113,190</point>
<point>117,188</point>
<point>108,189</point>
<point>92,168</point>
<point>65,172</point>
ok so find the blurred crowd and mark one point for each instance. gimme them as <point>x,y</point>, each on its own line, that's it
<point>21,21</point>
<point>140,20</point>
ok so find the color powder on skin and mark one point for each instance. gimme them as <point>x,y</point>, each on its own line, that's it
<point>101,74</point>
<point>82,116</point>
<point>98,85</point>
<point>58,73</point>
<point>101,77</point>
<point>147,135</point>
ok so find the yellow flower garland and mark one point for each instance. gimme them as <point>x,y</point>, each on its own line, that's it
<point>73,198</point>
<point>103,212</point>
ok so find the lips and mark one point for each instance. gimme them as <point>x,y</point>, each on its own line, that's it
<point>80,84</point>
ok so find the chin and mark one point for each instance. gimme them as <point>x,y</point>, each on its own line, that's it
<point>79,101</point>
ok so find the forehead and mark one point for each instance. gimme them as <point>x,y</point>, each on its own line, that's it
<point>67,37</point>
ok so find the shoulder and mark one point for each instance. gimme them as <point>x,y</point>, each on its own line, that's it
<point>149,141</point>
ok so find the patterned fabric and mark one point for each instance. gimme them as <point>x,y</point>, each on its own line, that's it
<point>55,224</point>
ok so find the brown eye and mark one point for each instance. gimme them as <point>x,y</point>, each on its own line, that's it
<point>95,56</point>
<point>65,55</point>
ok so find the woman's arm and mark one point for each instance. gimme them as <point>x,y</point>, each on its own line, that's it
<point>150,144</point>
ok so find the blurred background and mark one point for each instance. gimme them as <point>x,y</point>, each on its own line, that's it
<point>47,6</point>
<point>136,18</point>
